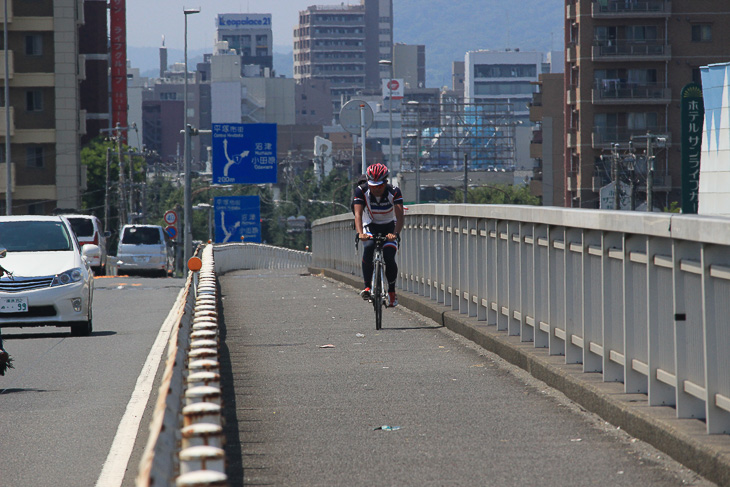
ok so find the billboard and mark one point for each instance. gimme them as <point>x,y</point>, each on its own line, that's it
<point>243,21</point>
<point>244,153</point>
<point>237,219</point>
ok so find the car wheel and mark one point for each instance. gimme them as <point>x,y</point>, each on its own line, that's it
<point>83,328</point>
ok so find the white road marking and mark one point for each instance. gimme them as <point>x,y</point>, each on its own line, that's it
<point>112,474</point>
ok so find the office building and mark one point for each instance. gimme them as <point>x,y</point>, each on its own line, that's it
<point>409,64</point>
<point>46,120</point>
<point>502,76</point>
<point>249,35</point>
<point>344,44</point>
<point>626,65</point>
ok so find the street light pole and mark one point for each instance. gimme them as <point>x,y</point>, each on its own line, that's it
<point>188,230</point>
<point>415,105</point>
<point>389,63</point>
<point>8,170</point>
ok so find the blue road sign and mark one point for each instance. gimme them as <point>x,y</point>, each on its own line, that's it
<point>236,217</point>
<point>244,153</point>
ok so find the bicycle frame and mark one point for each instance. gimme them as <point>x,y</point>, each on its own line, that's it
<point>379,284</point>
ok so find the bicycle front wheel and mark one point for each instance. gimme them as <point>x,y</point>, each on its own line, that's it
<point>377,297</point>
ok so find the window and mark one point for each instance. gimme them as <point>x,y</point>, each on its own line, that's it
<point>34,156</point>
<point>702,33</point>
<point>34,100</point>
<point>33,45</point>
<point>642,33</point>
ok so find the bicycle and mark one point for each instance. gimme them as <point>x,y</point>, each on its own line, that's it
<point>379,284</point>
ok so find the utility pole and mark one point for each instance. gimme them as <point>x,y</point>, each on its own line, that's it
<point>131,186</point>
<point>649,173</point>
<point>660,141</point>
<point>466,175</point>
<point>106,189</point>
<point>614,176</point>
<point>117,137</point>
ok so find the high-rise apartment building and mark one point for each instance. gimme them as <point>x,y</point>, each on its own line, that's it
<point>46,120</point>
<point>344,44</point>
<point>626,64</point>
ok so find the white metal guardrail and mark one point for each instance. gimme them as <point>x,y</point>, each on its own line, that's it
<point>258,256</point>
<point>186,435</point>
<point>641,298</point>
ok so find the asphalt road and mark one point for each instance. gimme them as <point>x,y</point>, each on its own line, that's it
<point>61,405</point>
<point>308,381</point>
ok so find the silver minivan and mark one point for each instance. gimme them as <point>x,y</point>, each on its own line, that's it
<point>142,249</point>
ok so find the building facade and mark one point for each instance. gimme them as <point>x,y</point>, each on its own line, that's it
<point>546,148</point>
<point>409,64</point>
<point>249,35</point>
<point>626,64</point>
<point>46,120</point>
<point>344,44</point>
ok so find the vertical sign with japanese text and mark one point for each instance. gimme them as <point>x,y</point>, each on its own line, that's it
<point>237,219</point>
<point>118,62</point>
<point>693,115</point>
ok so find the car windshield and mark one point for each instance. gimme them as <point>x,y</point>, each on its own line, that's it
<point>141,236</point>
<point>82,227</point>
<point>38,236</point>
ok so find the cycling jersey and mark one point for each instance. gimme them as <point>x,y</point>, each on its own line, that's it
<point>378,211</point>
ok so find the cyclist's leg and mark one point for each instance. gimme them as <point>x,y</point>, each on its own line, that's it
<point>368,247</point>
<point>391,268</point>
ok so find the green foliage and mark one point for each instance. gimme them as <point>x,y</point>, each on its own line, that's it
<point>674,207</point>
<point>499,194</point>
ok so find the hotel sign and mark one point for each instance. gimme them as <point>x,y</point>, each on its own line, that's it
<point>692,118</point>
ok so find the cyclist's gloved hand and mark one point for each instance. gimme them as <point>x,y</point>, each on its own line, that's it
<point>391,236</point>
<point>365,236</point>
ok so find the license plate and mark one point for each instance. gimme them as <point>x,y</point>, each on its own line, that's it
<point>141,260</point>
<point>14,305</point>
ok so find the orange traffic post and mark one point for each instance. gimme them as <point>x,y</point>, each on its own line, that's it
<point>194,264</point>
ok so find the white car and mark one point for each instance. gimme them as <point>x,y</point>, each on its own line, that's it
<point>88,230</point>
<point>45,278</point>
<point>142,248</point>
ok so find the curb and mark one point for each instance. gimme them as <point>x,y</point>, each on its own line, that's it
<point>685,440</point>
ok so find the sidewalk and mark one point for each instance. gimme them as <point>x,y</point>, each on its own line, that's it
<point>685,440</point>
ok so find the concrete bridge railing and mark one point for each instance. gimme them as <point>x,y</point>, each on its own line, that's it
<point>642,299</point>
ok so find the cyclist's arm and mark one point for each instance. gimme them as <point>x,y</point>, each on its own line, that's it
<point>358,209</point>
<point>399,218</point>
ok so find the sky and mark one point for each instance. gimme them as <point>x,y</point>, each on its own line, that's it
<point>149,20</point>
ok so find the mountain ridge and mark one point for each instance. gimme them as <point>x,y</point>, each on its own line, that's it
<point>448,30</point>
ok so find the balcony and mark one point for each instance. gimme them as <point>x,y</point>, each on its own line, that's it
<point>570,54</point>
<point>572,140</point>
<point>536,113</point>
<point>614,92</point>
<point>11,66</point>
<point>2,122</point>
<point>570,96</point>
<point>627,9</point>
<point>536,149</point>
<point>3,173</point>
<point>625,50</point>
<point>603,137</point>
<point>570,11</point>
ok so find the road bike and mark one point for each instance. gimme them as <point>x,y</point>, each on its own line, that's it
<point>379,284</point>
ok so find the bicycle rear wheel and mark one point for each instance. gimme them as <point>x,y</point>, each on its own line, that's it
<point>377,297</point>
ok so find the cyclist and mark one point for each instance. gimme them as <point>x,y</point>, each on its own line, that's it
<point>379,211</point>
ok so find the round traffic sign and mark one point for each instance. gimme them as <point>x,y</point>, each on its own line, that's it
<point>393,85</point>
<point>170,217</point>
<point>350,116</point>
<point>171,231</point>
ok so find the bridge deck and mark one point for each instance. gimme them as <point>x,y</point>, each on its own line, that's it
<point>300,413</point>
